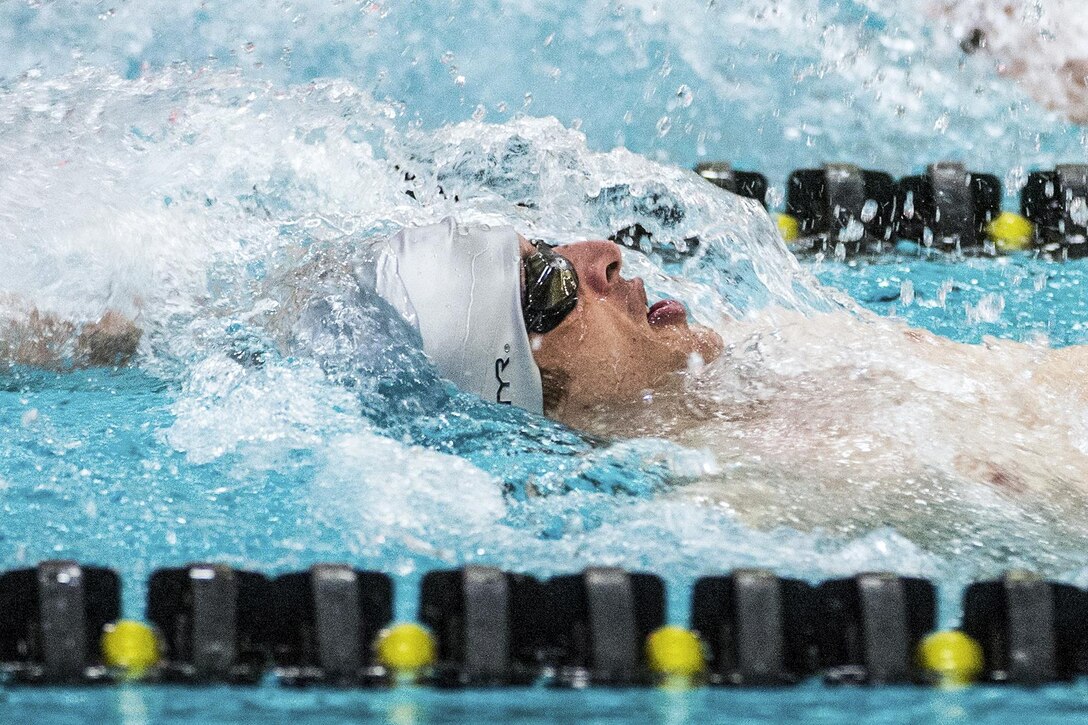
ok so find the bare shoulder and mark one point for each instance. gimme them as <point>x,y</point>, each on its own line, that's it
<point>1064,369</point>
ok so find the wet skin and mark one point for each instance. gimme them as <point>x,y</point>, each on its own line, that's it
<point>613,346</point>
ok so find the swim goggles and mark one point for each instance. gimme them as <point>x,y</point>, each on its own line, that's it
<point>551,288</point>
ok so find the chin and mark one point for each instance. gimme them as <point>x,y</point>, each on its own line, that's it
<point>708,343</point>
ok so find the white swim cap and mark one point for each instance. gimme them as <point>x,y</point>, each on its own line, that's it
<point>461,286</point>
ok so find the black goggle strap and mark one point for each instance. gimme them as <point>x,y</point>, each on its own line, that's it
<point>551,289</point>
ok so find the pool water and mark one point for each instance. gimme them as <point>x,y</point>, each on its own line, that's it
<point>1016,297</point>
<point>181,162</point>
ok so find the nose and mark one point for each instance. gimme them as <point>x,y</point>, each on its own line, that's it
<point>597,263</point>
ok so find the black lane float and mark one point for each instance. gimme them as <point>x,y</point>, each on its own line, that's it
<point>331,625</point>
<point>214,622</point>
<point>841,209</point>
<point>1057,203</point>
<point>948,207</point>
<point>51,617</point>
<point>757,628</point>
<point>870,625</point>
<point>596,623</point>
<point>487,625</point>
<point>1032,631</point>
<point>750,184</point>
<point>841,204</point>
<point>324,622</point>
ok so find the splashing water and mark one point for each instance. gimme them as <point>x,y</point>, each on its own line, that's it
<point>198,196</point>
<point>776,85</point>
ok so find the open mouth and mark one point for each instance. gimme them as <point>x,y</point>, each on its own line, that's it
<point>666,312</point>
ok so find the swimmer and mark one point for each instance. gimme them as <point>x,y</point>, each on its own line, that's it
<point>832,420</point>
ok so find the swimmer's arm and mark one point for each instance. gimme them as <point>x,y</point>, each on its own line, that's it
<point>43,340</point>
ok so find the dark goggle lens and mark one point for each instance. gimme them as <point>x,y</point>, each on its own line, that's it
<point>551,289</point>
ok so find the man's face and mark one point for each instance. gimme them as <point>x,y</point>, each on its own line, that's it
<point>612,346</point>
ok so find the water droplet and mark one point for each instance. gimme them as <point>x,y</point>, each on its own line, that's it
<point>447,57</point>
<point>927,237</point>
<point>528,100</point>
<point>1078,211</point>
<point>548,40</point>
<point>685,95</point>
<point>664,124</point>
<point>906,292</point>
<point>942,292</point>
<point>1048,190</point>
<point>853,232</point>
<point>479,113</point>
<point>868,212</point>
<point>989,309</point>
<point>941,125</point>
<point>840,251</point>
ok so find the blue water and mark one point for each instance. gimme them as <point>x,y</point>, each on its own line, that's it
<point>807,703</point>
<point>175,159</point>
<point>1018,297</point>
